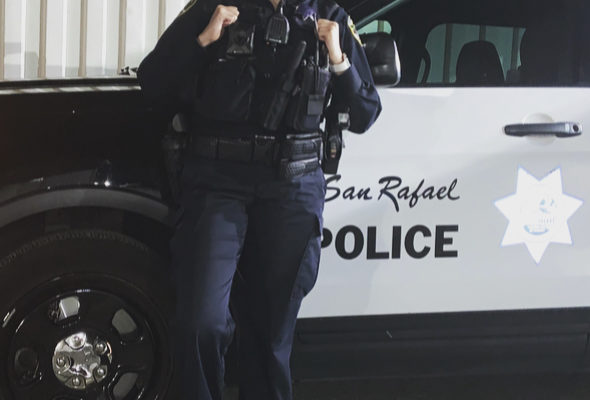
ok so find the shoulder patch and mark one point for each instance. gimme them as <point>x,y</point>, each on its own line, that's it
<point>189,5</point>
<point>353,30</point>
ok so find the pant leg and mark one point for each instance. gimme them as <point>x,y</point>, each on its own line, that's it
<point>249,305</point>
<point>205,248</point>
<point>278,268</point>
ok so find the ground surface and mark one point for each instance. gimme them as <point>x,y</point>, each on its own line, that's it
<point>514,387</point>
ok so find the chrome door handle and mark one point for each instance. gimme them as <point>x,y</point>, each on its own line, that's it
<point>559,129</point>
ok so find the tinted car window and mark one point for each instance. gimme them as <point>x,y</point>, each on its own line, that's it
<point>492,43</point>
<point>376,26</point>
<point>446,41</point>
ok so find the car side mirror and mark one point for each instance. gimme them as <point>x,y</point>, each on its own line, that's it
<point>383,57</point>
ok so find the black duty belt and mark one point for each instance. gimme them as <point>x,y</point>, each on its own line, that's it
<point>266,150</point>
<point>256,149</point>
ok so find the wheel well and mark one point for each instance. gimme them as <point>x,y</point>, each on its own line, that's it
<point>152,233</point>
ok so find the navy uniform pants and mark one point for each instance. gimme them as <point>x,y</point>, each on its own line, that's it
<point>241,227</point>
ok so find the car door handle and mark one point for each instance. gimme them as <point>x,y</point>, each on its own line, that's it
<point>559,129</point>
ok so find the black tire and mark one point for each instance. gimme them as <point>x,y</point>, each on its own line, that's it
<point>102,263</point>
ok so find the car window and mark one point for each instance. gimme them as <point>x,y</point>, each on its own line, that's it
<point>376,26</point>
<point>446,41</point>
<point>491,42</point>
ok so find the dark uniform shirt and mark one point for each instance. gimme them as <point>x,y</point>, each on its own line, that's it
<point>169,74</point>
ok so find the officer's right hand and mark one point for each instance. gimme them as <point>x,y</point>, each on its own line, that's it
<point>222,17</point>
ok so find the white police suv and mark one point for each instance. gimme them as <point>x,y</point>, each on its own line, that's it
<point>456,231</point>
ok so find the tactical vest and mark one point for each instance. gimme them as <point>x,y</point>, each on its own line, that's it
<point>246,77</point>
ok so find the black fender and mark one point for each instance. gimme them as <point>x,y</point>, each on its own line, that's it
<point>113,198</point>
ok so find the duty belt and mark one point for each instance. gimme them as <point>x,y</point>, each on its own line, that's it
<point>257,149</point>
<point>294,155</point>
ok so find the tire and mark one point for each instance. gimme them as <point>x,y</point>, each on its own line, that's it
<point>96,274</point>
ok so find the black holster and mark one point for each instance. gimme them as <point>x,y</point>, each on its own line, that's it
<point>333,142</point>
<point>173,147</point>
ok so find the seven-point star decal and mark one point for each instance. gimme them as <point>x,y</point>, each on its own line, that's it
<point>538,213</point>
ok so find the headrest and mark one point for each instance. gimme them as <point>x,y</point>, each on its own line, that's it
<point>479,64</point>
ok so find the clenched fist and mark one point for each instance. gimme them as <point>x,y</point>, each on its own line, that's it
<point>222,17</point>
<point>329,33</point>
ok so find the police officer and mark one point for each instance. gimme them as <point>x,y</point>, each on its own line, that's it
<point>252,190</point>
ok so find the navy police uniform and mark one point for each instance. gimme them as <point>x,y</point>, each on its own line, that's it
<point>243,229</point>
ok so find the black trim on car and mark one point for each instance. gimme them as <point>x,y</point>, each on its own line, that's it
<point>455,343</point>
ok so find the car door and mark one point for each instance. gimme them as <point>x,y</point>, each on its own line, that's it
<point>468,192</point>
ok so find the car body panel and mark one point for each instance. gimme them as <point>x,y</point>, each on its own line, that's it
<point>453,138</point>
<point>80,143</point>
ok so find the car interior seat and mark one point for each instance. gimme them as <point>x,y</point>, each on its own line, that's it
<point>479,64</point>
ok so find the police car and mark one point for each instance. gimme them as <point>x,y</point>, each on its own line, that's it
<point>455,235</point>
<point>456,230</point>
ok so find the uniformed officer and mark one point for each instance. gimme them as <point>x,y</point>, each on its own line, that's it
<point>252,189</point>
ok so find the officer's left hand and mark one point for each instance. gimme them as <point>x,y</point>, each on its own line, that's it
<point>329,33</point>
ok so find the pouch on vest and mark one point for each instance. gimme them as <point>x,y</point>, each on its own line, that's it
<point>307,104</point>
<point>228,86</point>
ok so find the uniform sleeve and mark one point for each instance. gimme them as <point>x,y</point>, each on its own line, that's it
<point>167,75</point>
<point>355,89</point>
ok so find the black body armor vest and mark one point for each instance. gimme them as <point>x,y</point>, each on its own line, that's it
<point>252,86</point>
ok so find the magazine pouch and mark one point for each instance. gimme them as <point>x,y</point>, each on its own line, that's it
<point>306,106</point>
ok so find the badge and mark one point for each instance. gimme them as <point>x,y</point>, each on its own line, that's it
<point>189,5</point>
<point>353,31</point>
<point>538,212</point>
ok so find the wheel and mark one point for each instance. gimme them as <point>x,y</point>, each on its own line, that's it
<point>85,317</point>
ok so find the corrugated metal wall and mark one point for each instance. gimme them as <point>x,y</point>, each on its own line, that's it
<point>68,38</point>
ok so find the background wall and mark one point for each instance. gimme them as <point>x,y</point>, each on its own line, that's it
<point>69,38</point>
